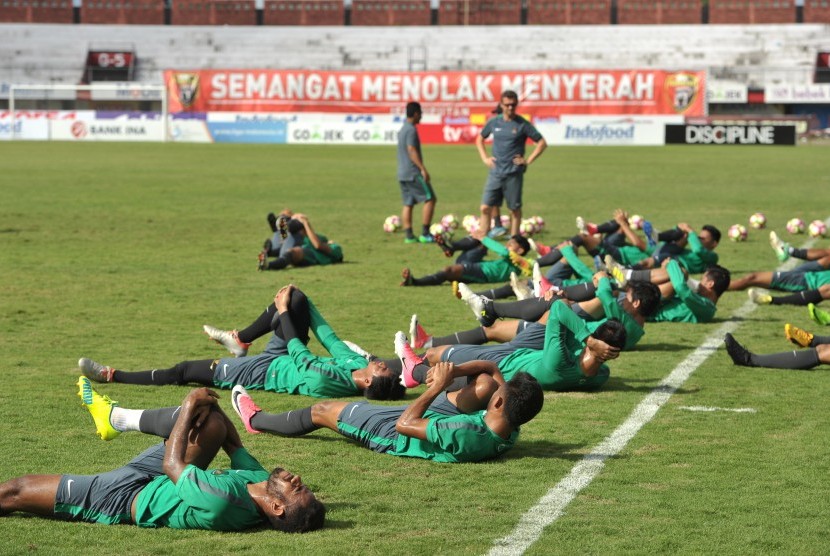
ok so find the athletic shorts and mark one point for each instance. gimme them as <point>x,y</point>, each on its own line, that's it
<point>529,335</point>
<point>416,191</point>
<point>472,273</point>
<point>505,188</point>
<point>108,497</point>
<point>463,352</point>
<point>789,281</point>
<point>249,371</point>
<point>371,425</point>
<point>312,256</point>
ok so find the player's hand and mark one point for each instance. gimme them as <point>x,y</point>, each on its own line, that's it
<point>425,175</point>
<point>550,294</point>
<point>598,276</point>
<point>685,227</point>
<point>440,375</point>
<point>565,243</point>
<point>519,160</point>
<point>283,297</point>
<point>621,217</point>
<point>478,234</point>
<point>490,162</point>
<point>665,263</point>
<point>601,350</point>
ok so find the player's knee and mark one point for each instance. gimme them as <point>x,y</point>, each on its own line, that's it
<point>823,351</point>
<point>485,387</point>
<point>433,354</point>
<point>824,291</point>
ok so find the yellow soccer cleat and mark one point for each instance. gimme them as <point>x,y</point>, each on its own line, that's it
<point>99,406</point>
<point>798,336</point>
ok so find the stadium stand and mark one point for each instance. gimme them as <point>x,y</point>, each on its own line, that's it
<point>304,12</point>
<point>36,11</point>
<point>642,12</point>
<point>480,12</point>
<point>817,11</point>
<point>751,11</point>
<point>213,12</point>
<point>391,12</point>
<point>122,12</point>
<point>569,12</point>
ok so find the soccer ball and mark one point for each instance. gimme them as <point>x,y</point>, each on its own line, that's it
<point>392,224</point>
<point>539,221</point>
<point>758,220</point>
<point>449,222</point>
<point>817,228</point>
<point>795,226</point>
<point>505,221</point>
<point>470,223</point>
<point>527,227</point>
<point>737,232</point>
<point>636,222</point>
<point>436,229</point>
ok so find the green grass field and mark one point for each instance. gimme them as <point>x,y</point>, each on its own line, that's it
<point>121,252</point>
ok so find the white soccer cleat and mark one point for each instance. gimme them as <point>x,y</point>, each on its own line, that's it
<point>537,280</point>
<point>358,350</point>
<point>418,337</point>
<point>520,287</point>
<point>759,296</point>
<point>781,248</point>
<point>95,371</point>
<point>227,338</point>
<point>616,271</point>
<point>580,225</point>
<point>464,291</point>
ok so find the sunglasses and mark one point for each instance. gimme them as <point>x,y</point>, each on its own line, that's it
<point>510,104</point>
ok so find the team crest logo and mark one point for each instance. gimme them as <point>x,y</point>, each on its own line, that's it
<point>682,89</point>
<point>187,87</point>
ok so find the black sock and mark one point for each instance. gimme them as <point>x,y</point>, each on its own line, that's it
<point>818,340</point>
<point>476,336</point>
<point>260,327</point>
<point>674,234</point>
<point>577,241</point>
<point>527,309</point>
<point>580,292</point>
<point>291,423</point>
<point>395,365</point>
<point>554,256</point>
<point>798,360</point>
<point>186,372</point>
<point>608,227</point>
<point>425,230</point>
<point>278,264</point>
<point>641,275</point>
<point>431,280</point>
<point>419,373</point>
<point>408,232</point>
<point>798,253</point>
<point>298,316</point>
<point>799,298</point>
<point>465,244</point>
<point>159,421</point>
<point>502,292</point>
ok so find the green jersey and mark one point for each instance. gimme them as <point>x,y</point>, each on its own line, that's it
<point>631,255</point>
<point>214,499</point>
<point>455,439</point>
<point>580,269</point>
<point>697,258</point>
<point>686,305</point>
<point>557,365</point>
<point>315,256</point>
<point>634,332</point>
<point>497,270</point>
<point>817,279</point>
<point>302,372</point>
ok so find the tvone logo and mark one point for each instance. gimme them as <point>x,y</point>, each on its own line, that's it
<point>730,135</point>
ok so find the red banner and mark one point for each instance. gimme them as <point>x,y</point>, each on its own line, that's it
<point>541,93</point>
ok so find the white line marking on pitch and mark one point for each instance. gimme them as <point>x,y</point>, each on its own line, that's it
<point>711,409</point>
<point>552,505</point>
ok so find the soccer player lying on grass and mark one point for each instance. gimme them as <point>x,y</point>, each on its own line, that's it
<point>168,485</point>
<point>809,282</point>
<point>285,366</point>
<point>479,271</point>
<point>784,250</point>
<point>684,300</point>
<point>572,357</point>
<point>630,307</point>
<point>316,249</point>
<point>287,233</point>
<point>617,240</point>
<point>477,422</point>
<point>818,352</point>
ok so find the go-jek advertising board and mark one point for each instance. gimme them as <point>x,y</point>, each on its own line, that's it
<point>541,93</point>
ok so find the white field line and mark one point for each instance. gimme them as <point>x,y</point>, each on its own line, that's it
<point>552,505</point>
<point>712,409</point>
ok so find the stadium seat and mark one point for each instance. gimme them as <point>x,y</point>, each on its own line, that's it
<point>480,12</point>
<point>34,11</point>
<point>751,11</point>
<point>391,12</point>
<point>660,12</point>
<point>213,12</point>
<point>817,11</point>
<point>303,12</point>
<point>121,12</point>
<point>569,12</point>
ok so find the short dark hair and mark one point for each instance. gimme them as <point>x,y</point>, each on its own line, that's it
<point>647,294</point>
<point>297,518</point>
<point>720,276</point>
<point>523,243</point>
<point>510,94</point>
<point>712,230</point>
<point>523,400</point>
<point>612,332</point>
<point>295,226</point>
<point>412,108</point>
<point>386,387</point>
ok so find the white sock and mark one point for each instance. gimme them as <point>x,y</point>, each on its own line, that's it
<point>693,284</point>
<point>124,420</point>
<point>627,273</point>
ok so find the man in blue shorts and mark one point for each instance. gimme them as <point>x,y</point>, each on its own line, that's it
<point>413,177</point>
<point>507,163</point>
<point>286,365</point>
<point>475,423</point>
<point>168,485</point>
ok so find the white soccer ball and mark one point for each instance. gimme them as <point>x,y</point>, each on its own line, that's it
<point>449,222</point>
<point>392,224</point>
<point>795,226</point>
<point>470,223</point>
<point>635,221</point>
<point>737,232</point>
<point>505,221</point>
<point>527,227</point>
<point>817,228</point>
<point>436,229</point>
<point>758,220</point>
<point>540,222</point>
